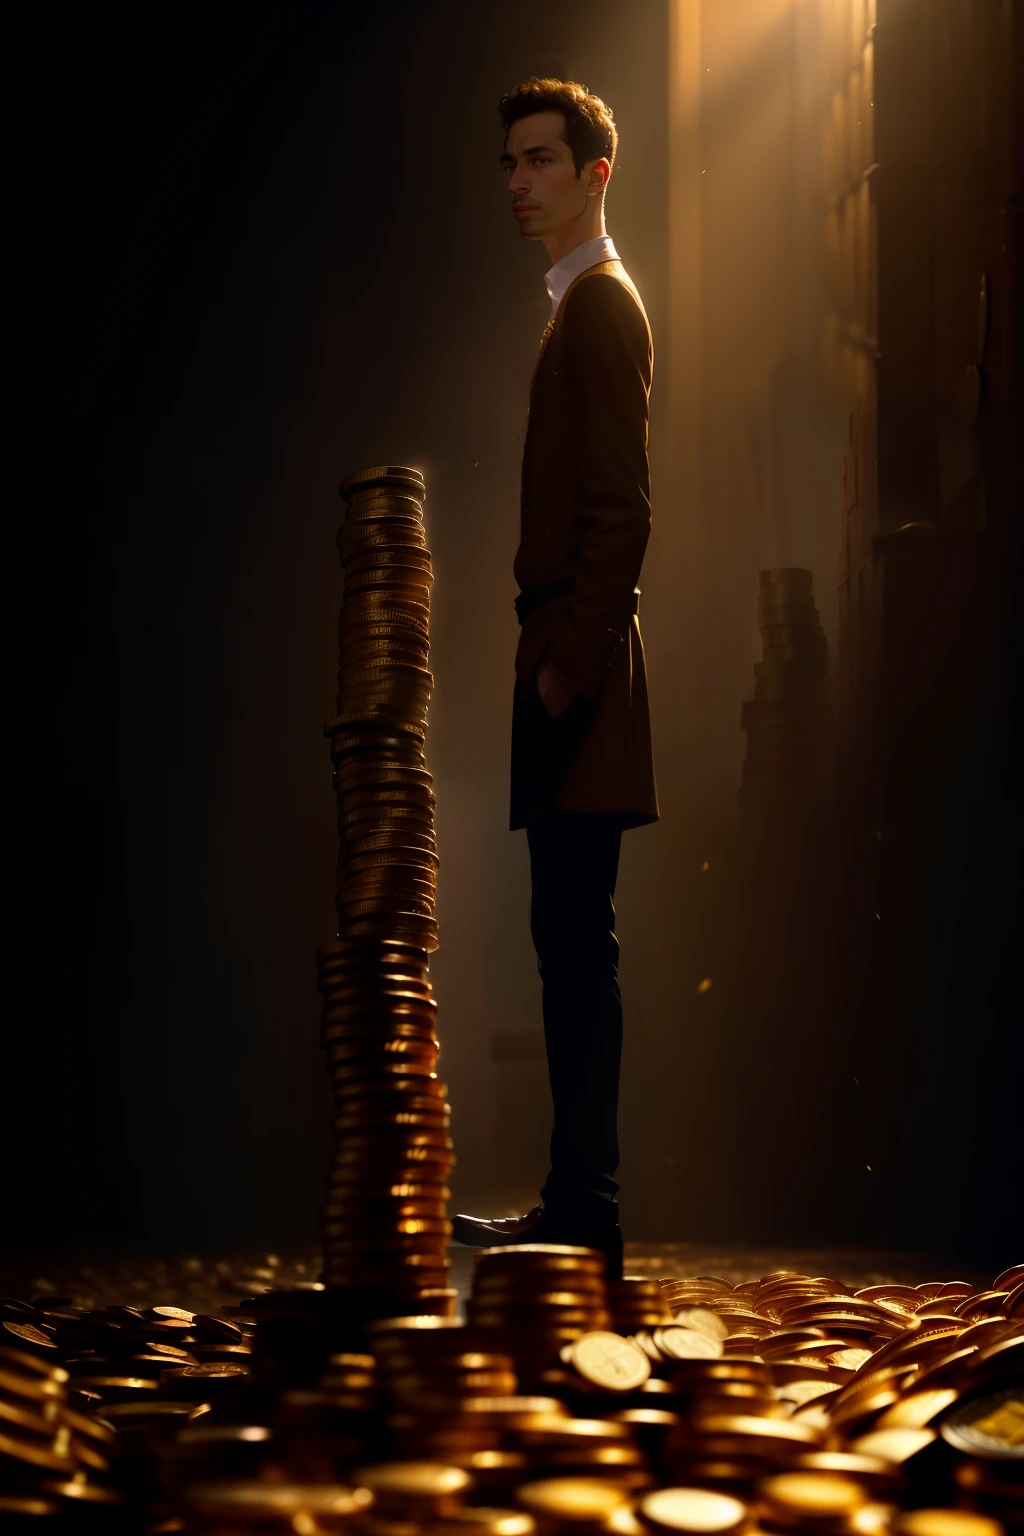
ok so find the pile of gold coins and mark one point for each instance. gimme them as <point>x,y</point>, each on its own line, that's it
<point>789,722</point>
<point>385,1226</point>
<point>789,1404</point>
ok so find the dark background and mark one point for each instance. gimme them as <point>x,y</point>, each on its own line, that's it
<point>258,248</point>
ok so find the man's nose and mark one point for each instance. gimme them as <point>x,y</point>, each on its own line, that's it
<point>519,183</point>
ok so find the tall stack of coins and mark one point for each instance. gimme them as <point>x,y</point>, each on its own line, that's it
<point>789,721</point>
<point>385,1225</point>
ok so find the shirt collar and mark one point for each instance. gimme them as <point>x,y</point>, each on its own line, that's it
<point>558,277</point>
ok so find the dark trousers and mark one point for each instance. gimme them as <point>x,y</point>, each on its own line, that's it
<point>574,861</point>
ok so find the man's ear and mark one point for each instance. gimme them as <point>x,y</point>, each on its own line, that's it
<point>603,170</point>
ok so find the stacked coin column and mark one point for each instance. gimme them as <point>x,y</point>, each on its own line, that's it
<point>534,1298</point>
<point>788,772</point>
<point>384,1226</point>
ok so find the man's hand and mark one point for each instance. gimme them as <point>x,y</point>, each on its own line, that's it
<point>555,693</point>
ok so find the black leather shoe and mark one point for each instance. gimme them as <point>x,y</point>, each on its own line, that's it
<point>543,1225</point>
<point>488,1232</point>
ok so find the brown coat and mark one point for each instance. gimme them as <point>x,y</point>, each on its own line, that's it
<point>586,517</point>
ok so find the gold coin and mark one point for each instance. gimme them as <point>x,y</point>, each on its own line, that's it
<point>572,1500</point>
<point>376,512</point>
<point>991,1426</point>
<point>404,584</point>
<point>692,1509</point>
<point>849,1359</point>
<point>917,1409</point>
<point>810,1496</point>
<point>542,1255</point>
<point>623,1522</point>
<point>894,1445</point>
<point>479,1521</point>
<point>677,1343</point>
<point>542,1319</point>
<point>232,1502</point>
<point>702,1320</point>
<point>413,1481</point>
<point>385,474</point>
<point>406,499</point>
<point>945,1522</point>
<point>398,535</point>
<point>610,1362</point>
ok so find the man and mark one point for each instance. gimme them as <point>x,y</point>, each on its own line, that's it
<point>581,750</point>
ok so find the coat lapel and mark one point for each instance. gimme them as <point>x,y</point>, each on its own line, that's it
<point>601,266</point>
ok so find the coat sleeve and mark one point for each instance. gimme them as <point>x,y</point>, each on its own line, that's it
<point>608,362</point>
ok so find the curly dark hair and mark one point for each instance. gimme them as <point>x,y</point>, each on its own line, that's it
<point>589,129</point>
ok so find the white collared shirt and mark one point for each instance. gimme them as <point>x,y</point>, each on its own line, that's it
<point>558,277</point>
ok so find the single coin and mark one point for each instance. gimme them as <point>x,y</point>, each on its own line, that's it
<point>542,1255</point>
<point>413,1481</point>
<point>801,1392</point>
<point>370,768</point>
<point>364,781</point>
<point>945,1522</point>
<point>808,1496</point>
<point>366,1002</point>
<point>394,585</point>
<point>113,1387</point>
<point>27,1334</point>
<point>482,1521</point>
<point>702,1320</point>
<point>917,1409</point>
<point>340,726</point>
<point>894,1445</point>
<point>406,500</point>
<point>365,1030</point>
<point>384,474</point>
<point>380,512</point>
<point>396,534</point>
<point>692,1509</point>
<point>232,1502</point>
<point>388,569</point>
<point>610,1362</point>
<point>849,1359</point>
<point>677,1343</point>
<point>990,1427</point>
<point>572,1500</point>
<point>537,1320</point>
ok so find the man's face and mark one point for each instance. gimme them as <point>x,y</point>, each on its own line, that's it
<point>544,188</point>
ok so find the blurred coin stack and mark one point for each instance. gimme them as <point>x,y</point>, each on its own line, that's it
<point>384,1226</point>
<point>789,722</point>
<point>54,1458</point>
<point>323,1430</point>
<point>636,1302</point>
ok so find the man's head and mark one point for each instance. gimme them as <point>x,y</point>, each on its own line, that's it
<point>560,144</point>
